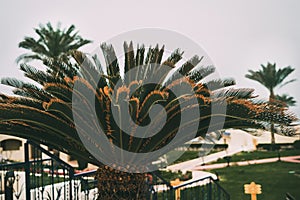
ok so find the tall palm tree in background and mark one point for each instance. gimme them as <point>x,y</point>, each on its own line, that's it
<point>52,43</point>
<point>43,112</point>
<point>271,78</point>
<point>285,100</point>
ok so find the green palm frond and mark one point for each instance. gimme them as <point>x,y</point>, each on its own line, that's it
<point>175,57</point>
<point>286,100</point>
<point>219,83</point>
<point>270,77</point>
<point>51,43</point>
<point>51,112</point>
<point>29,89</point>
<point>200,73</point>
<point>40,76</point>
<point>113,70</point>
<point>239,93</point>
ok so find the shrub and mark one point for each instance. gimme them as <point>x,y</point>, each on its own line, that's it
<point>297,144</point>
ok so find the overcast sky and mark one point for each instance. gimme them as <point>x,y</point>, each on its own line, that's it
<point>237,35</point>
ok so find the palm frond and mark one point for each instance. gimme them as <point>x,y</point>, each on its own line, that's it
<point>50,109</point>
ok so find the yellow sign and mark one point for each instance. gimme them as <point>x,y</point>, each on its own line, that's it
<point>175,183</point>
<point>252,189</point>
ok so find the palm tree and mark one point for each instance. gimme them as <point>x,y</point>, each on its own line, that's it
<point>271,78</point>
<point>46,114</point>
<point>285,100</point>
<point>52,43</point>
<point>54,46</point>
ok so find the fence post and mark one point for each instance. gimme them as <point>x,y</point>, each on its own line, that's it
<point>9,180</point>
<point>288,196</point>
<point>71,178</point>
<point>210,190</point>
<point>27,171</point>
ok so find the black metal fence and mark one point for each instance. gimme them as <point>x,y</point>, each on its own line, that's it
<point>12,177</point>
<point>205,188</point>
<point>46,177</point>
<point>288,196</point>
<point>85,186</point>
<point>42,177</point>
<point>161,189</point>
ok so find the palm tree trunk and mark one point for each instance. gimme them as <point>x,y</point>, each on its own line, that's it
<point>272,128</point>
<point>114,184</point>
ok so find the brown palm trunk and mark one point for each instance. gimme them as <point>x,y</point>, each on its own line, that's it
<point>272,128</point>
<point>114,184</point>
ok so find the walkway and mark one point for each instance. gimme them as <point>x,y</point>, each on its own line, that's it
<point>240,141</point>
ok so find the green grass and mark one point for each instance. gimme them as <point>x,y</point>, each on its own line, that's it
<point>275,178</point>
<point>47,180</point>
<point>188,155</point>
<point>242,156</point>
<point>170,176</point>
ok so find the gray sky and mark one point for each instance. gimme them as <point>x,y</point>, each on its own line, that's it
<point>237,35</point>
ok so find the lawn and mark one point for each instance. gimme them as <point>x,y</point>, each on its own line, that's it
<point>189,155</point>
<point>242,156</point>
<point>275,178</point>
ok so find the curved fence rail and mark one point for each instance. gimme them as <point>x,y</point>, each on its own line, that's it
<point>288,196</point>
<point>205,188</point>
<point>43,176</point>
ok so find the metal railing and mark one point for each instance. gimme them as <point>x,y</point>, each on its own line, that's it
<point>46,177</point>
<point>12,177</point>
<point>160,188</point>
<point>85,185</point>
<point>288,196</point>
<point>204,189</point>
<point>43,176</point>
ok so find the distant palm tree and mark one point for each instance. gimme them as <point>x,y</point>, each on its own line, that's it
<point>271,78</point>
<point>53,47</point>
<point>52,43</point>
<point>285,100</point>
<point>45,115</point>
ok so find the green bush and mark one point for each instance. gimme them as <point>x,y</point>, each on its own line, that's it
<point>297,144</point>
<point>187,176</point>
<point>170,176</point>
<point>268,147</point>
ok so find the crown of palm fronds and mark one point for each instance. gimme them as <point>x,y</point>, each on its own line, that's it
<point>44,113</point>
<point>285,100</point>
<point>55,43</point>
<point>270,77</point>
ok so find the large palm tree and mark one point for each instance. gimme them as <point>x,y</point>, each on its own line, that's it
<point>52,43</point>
<point>271,78</point>
<point>46,113</point>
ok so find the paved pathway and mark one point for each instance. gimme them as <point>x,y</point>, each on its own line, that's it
<point>294,159</point>
<point>197,165</point>
<point>234,146</point>
<point>239,141</point>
